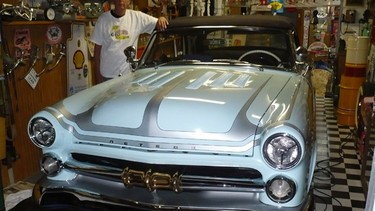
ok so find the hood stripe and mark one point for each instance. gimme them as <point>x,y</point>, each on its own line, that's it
<point>220,82</point>
<point>137,81</point>
<point>165,80</point>
<point>201,80</point>
<point>151,80</point>
<point>241,80</point>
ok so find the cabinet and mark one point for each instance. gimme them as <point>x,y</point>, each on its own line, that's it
<point>24,100</point>
<point>365,125</point>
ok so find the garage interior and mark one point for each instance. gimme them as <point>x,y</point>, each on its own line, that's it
<point>335,33</point>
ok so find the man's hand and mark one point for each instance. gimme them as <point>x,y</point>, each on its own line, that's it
<point>162,24</point>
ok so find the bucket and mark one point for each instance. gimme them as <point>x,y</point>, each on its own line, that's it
<point>349,87</point>
<point>357,49</point>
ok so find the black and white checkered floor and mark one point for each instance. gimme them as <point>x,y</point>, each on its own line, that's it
<point>337,181</point>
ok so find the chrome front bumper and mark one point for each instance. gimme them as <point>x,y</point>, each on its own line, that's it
<point>111,193</point>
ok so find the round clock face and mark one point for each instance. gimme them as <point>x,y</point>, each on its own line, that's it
<point>50,14</point>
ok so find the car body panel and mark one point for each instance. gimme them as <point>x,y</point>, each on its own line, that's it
<point>183,134</point>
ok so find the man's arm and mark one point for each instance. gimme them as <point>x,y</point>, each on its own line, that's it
<point>162,23</point>
<point>98,75</point>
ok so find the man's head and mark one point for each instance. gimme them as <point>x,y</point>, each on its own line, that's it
<point>120,5</point>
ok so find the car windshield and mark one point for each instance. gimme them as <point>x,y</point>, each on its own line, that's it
<point>262,47</point>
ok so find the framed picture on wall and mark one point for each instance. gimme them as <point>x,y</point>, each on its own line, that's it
<point>354,2</point>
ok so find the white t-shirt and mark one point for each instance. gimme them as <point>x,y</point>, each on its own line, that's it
<point>116,34</point>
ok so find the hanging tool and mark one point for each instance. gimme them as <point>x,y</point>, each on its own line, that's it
<point>34,57</point>
<point>48,59</point>
<point>11,65</point>
<point>18,10</point>
<point>61,55</point>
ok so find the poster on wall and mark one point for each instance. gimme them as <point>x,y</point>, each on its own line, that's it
<point>78,60</point>
<point>22,43</point>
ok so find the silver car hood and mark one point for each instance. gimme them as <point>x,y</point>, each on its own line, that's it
<point>195,101</point>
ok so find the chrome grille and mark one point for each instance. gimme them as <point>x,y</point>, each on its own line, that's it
<point>184,177</point>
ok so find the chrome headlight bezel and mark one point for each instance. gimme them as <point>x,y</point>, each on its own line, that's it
<point>50,164</point>
<point>41,132</point>
<point>279,145</point>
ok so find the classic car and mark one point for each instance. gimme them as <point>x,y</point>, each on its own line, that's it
<point>217,114</point>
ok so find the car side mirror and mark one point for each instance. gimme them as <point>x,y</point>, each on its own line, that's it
<point>303,61</point>
<point>130,53</point>
<point>302,55</point>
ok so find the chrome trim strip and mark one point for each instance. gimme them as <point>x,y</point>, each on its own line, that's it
<point>201,80</point>
<point>241,80</point>
<point>221,80</point>
<point>151,80</point>
<point>165,80</point>
<point>142,79</point>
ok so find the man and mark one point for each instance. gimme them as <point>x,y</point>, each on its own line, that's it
<point>115,30</point>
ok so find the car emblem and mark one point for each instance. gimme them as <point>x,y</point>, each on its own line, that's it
<point>151,180</point>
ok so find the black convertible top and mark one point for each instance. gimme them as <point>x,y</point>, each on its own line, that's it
<point>268,21</point>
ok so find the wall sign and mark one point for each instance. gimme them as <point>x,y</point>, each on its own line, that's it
<point>22,42</point>
<point>54,34</point>
<point>77,56</point>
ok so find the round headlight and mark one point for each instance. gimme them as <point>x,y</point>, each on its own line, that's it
<point>280,189</point>
<point>282,151</point>
<point>41,132</point>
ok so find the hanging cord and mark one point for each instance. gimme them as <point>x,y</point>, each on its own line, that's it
<point>323,173</point>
